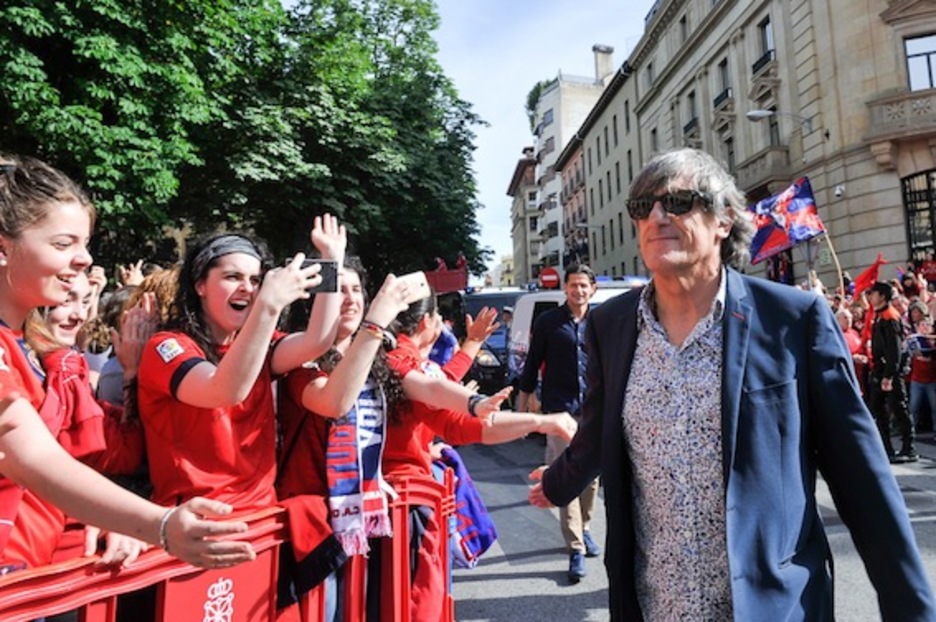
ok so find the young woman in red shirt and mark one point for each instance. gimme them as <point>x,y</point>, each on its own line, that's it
<point>45,224</point>
<point>205,392</point>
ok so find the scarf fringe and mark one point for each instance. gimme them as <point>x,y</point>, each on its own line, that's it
<point>354,542</point>
<point>378,525</point>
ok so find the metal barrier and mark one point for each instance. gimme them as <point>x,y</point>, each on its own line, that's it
<point>244,593</point>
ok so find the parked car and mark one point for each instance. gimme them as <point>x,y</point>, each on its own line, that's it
<point>490,366</point>
<point>528,307</point>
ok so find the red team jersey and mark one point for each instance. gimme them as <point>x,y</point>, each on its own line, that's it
<point>406,451</point>
<point>227,454</point>
<point>38,525</point>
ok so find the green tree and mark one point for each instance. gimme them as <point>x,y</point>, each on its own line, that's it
<point>237,113</point>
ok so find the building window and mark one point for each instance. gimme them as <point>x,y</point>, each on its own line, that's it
<point>547,117</point>
<point>773,126</point>
<point>614,129</point>
<point>594,244</point>
<point>621,229</point>
<point>591,201</point>
<point>654,141</point>
<point>630,167</point>
<point>608,184</point>
<point>650,75</point>
<point>617,176</point>
<point>724,78</point>
<point>598,148</point>
<point>600,194</point>
<point>633,231</point>
<point>921,62</point>
<point>636,267</point>
<point>729,153</point>
<point>607,142</point>
<point>604,245</point>
<point>589,161</point>
<point>611,229</point>
<point>683,29</point>
<point>691,105</point>
<point>626,116</point>
<point>920,206</point>
<point>534,224</point>
<point>765,36</point>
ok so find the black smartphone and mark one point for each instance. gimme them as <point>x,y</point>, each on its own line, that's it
<point>329,274</point>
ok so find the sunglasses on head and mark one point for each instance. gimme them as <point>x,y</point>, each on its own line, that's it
<point>674,203</point>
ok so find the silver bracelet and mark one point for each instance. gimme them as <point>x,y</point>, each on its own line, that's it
<point>164,526</point>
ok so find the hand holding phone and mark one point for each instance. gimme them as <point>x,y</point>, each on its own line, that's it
<point>329,273</point>
<point>417,287</point>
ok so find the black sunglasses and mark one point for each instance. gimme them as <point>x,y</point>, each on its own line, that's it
<point>674,203</point>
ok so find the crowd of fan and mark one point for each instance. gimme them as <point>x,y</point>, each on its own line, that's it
<point>223,378</point>
<point>907,305</point>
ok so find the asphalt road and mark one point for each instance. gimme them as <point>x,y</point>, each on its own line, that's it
<point>523,576</point>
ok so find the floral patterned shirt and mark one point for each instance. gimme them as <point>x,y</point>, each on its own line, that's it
<point>672,432</point>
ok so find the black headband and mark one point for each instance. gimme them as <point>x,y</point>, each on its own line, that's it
<point>224,245</point>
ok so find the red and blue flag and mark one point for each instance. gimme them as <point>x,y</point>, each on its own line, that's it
<point>784,220</point>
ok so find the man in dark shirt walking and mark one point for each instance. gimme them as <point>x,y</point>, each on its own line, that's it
<point>557,349</point>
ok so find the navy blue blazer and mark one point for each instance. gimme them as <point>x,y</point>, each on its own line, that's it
<point>790,408</point>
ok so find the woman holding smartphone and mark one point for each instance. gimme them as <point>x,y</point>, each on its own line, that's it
<point>45,224</point>
<point>205,393</point>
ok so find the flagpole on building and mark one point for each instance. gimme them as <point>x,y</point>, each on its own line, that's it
<point>838,266</point>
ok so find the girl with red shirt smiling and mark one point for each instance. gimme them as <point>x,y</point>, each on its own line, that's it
<point>45,223</point>
<point>205,394</point>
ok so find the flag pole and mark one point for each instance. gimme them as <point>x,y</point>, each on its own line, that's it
<point>838,266</point>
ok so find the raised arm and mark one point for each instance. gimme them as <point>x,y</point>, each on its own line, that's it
<point>333,396</point>
<point>331,240</point>
<point>478,329</point>
<point>209,386</point>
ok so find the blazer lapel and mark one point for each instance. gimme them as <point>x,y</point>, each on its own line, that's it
<point>736,324</point>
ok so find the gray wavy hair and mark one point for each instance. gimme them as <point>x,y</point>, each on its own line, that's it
<point>703,173</point>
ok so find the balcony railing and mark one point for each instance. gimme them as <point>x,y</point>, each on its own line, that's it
<point>770,164</point>
<point>691,125</point>
<point>762,62</point>
<point>722,98</point>
<point>907,114</point>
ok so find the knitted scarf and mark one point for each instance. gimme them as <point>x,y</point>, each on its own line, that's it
<point>356,488</point>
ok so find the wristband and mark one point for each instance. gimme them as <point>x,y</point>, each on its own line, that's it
<point>473,403</point>
<point>373,329</point>
<point>164,526</point>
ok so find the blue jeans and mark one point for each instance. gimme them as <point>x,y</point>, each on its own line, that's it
<point>920,393</point>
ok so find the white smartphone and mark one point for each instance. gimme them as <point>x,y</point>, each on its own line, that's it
<point>418,286</point>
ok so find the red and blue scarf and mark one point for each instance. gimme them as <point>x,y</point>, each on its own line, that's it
<point>357,499</point>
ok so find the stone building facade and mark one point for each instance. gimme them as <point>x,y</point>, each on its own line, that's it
<point>838,91</point>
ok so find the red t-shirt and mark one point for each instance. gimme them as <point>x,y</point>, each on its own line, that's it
<point>305,439</point>
<point>227,454</point>
<point>406,449</point>
<point>38,525</point>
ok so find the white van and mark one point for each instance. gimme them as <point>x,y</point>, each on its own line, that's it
<point>528,307</point>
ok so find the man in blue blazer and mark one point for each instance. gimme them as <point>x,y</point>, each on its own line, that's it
<point>713,401</point>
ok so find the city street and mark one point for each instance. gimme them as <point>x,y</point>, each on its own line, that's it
<point>523,577</point>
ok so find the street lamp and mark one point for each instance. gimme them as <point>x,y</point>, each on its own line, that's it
<point>757,115</point>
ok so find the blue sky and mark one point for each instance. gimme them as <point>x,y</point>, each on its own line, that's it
<point>496,50</point>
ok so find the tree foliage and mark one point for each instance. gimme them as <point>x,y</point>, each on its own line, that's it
<point>240,114</point>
